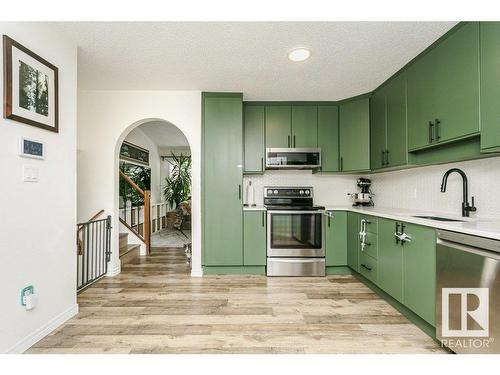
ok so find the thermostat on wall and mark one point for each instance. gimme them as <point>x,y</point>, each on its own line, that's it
<point>31,148</point>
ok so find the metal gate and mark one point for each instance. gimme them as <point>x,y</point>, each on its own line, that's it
<point>94,251</point>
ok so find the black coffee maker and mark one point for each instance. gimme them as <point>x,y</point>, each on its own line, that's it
<point>364,198</point>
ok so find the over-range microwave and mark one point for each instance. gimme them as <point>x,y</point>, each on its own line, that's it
<point>293,158</point>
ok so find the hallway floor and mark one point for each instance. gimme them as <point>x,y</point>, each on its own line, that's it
<point>154,306</point>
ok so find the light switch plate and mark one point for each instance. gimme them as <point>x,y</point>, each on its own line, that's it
<point>30,173</point>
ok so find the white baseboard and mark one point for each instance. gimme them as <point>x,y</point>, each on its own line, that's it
<point>43,331</point>
<point>114,271</point>
<point>196,272</point>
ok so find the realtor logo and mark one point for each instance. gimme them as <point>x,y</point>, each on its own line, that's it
<point>474,312</point>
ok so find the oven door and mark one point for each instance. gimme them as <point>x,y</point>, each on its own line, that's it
<point>295,234</point>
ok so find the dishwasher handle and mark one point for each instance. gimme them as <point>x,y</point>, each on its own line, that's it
<point>468,249</point>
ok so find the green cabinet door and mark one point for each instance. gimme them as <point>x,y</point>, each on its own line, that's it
<point>490,86</point>
<point>254,238</point>
<point>390,260</point>
<point>353,241</point>
<point>336,239</point>
<point>397,152</point>
<point>421,99</point>
<point>254,137</point>
<point>419,271</point>
<point>378,139</point>
<point>304,125</point>
<point>443,90</point>
<point>457,85</point>
<point>355,135</point>
<point>328,137</point>
<point>222,179</point>
<point>278,125</point>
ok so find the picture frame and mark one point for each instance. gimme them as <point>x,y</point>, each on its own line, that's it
<point>31,89</point>
<point>134,153</point>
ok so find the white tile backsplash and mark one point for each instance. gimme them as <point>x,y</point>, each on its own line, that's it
<point>416,188</point>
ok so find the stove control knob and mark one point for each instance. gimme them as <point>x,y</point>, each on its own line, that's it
<point>301,192</point>
<point>307,192</point>
<point>269,191</point>
<point>276,192</point>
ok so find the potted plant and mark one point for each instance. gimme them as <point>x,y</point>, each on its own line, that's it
<point>178,185</point>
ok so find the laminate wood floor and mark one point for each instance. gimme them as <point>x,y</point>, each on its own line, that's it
<point>154,306</point>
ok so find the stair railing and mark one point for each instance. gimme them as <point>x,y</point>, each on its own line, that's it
<point>134,225</point>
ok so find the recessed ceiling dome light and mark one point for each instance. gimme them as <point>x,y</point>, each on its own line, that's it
<point>299,54</point>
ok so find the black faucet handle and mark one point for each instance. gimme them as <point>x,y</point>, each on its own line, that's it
<point>473,206</point>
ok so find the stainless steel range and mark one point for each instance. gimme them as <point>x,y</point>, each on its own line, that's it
<point>295,235</point>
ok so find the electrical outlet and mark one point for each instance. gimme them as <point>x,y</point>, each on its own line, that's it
<point>28,299</point>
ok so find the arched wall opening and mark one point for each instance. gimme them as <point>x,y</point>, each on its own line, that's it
<point>159,125</point>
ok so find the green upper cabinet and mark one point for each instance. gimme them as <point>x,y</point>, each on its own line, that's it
<point>490,86</point>
<point>388,125</point>
<point>397,151</point>
<point>328,137</point>
<point>378,129</point>
<point>254,238</point>
<point>336,239</point>
<point>443,90</point>
<point>390,260</point>
<point>419,271</point>
<point>304,125</point>
<point>278,125</point>
<point>254,133</point>
<point>222,179</point>
<point>354,135</point>
<point>353,240</point>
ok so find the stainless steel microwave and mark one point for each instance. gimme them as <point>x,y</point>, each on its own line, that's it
<point>293,158</point>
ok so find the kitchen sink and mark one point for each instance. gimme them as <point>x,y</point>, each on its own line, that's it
<point>438,218</point>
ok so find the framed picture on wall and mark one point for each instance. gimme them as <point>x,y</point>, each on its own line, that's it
<point>30,87</point>
<point>134,153</point>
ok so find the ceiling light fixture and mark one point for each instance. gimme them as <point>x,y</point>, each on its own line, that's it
<point>299,54</point>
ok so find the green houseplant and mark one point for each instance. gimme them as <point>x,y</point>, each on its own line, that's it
<point>178,185</point>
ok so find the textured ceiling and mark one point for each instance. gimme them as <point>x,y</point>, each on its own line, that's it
<point>348,58</point>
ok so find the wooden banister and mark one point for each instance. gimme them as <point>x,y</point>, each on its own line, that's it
<point>79,242</point>
<point>146,194</point>
<point>147,220</point>
<point>131,183</point>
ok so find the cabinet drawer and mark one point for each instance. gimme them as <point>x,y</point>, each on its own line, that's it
<point>371,247</point>
<point>368,267</point>
<point>371,223</point>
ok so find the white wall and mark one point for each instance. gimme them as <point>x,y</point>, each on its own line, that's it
<point>415,189</point>
<point>38,221</point>
<point>104,119</point>
<point>137,137</point>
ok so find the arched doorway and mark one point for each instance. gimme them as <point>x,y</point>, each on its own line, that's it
<point>153,195</point>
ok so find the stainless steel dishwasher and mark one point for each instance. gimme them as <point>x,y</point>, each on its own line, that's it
<point>468,292</point>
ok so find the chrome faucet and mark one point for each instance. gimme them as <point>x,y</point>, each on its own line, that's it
<point>466,208</point>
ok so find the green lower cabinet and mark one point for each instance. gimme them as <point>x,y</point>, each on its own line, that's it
<point>254,238</point>
<point>353,241</point>
<point>419,271</point>
<point>390,260</point>
<point>368,267</point>
<point>336,239</point>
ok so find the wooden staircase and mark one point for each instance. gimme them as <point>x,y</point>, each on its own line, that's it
<point>128,251</point>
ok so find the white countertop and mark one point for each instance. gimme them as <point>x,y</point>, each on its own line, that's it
<point>489,228</point>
